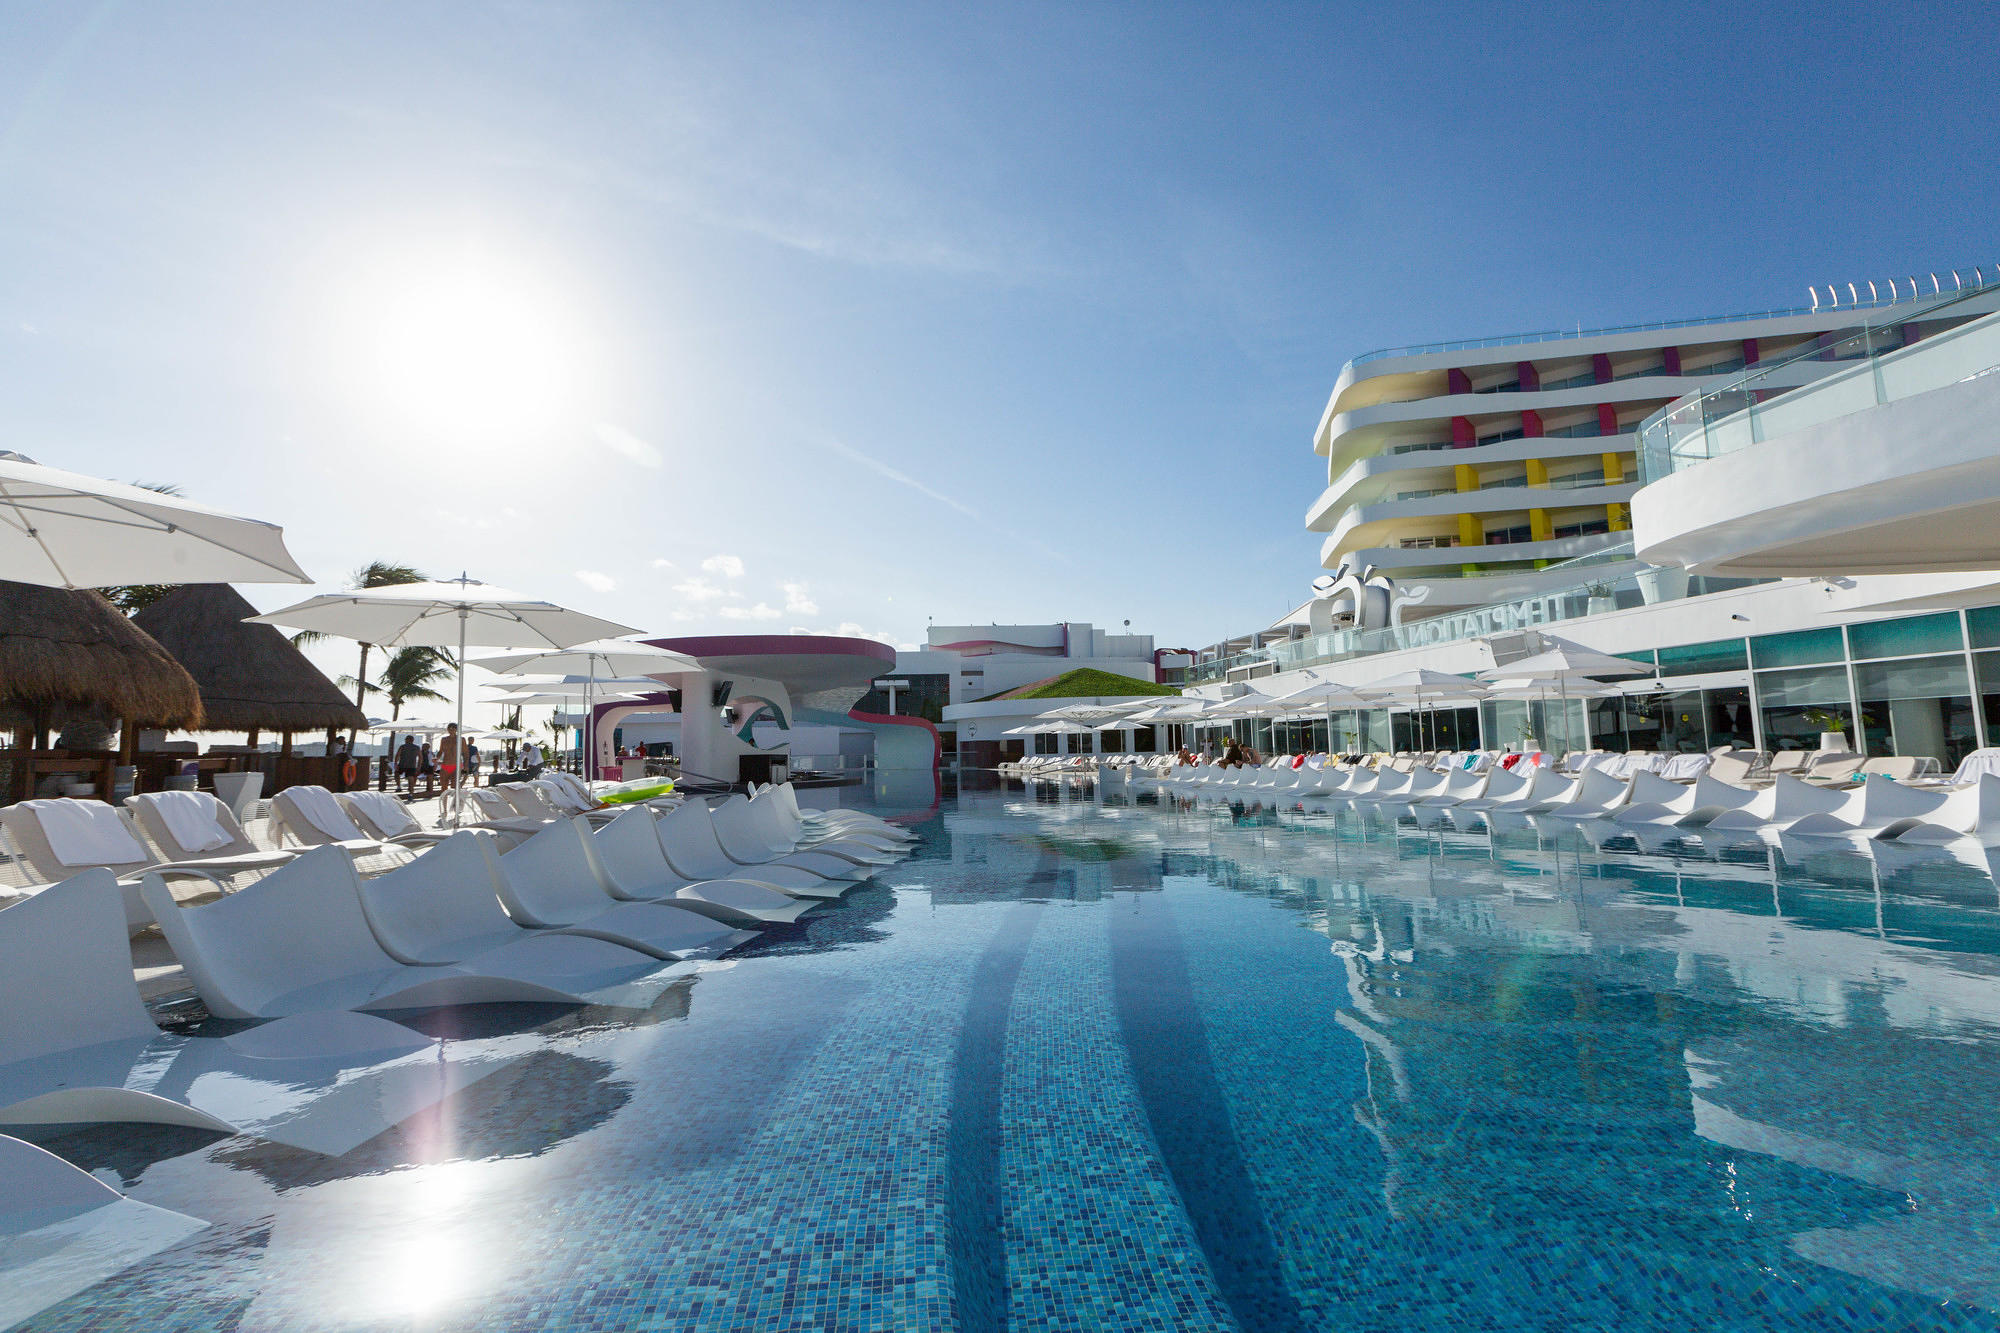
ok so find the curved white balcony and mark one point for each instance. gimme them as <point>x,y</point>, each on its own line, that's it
<point>1370,478</point>
<point>1366,431</point>
<point>1908,485</point>
<point>1359,524</point>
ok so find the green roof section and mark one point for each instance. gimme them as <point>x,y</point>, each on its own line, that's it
<point>1087,683</point>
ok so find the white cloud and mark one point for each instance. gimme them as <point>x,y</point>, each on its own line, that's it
<point>627,445</point>
<point>727,566</point>
<point>699,590</point>
<point>798,599</point>
<point>661,562</point>
<point>595,581</point>
<point>847,629</point>
<point>761,611</point>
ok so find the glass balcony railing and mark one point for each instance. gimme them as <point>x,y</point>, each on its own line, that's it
<point>1879,367</point>
<point>1901,291</point>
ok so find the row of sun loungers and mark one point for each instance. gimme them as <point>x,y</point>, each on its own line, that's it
<point>1881,807</point>
<point>564,913</point>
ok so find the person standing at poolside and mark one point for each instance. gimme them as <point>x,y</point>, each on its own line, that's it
<point>531,760</point>
<point>408,757</point>
<point>451,751</point>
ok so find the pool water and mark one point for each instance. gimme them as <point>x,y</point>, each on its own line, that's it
<point>1097,1062</point>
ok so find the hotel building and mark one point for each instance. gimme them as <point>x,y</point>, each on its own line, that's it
<point>1806,535</point>
<point>1465,470</point>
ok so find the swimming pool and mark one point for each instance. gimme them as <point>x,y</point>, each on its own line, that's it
<point>1085,1062</point>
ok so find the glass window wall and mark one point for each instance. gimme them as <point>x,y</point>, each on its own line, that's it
<point>1792,701</point>
<point>1917,706</point>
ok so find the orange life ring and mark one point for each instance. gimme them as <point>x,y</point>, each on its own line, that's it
<point>347,773</point>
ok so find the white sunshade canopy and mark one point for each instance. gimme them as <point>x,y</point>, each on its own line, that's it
<point>66,530</point>
<point>561,700</point>
<point>574,689</point>
<point>410,725</point>
<point>1425,682</point>
<point>1064,727</point>
<point>444,614</point>
<point>1327,694</point>
<point>1534,687</point>
<point>1568,661</point>
<point>607,657</point>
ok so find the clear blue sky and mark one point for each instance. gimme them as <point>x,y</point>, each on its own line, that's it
<point>882,312</point>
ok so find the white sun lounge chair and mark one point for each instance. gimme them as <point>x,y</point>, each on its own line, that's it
<point>1502,785</point>
<point>312,818</point>
<point>1459,785</point>
<point>62,1230</point>
<point>1968,811</point>
<point>632,866</point>
<point>91,835</point>
<point>1880,807</point>
<point>297,940</point>
<point>78,1047</point>
<point>750,831</point>
<point>785,804</point>
<point>196,828</point>
<point>553,879</point>
<point>1780,805</point>
<point>841,820</point>
<point>495,811</point>
<point>763,820</point>
<point>443,908</point>
<point>1595,794</point>
<point>687,836</point>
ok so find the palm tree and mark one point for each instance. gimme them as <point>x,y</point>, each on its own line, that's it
<point>374,574</point>
<point>410,673</point>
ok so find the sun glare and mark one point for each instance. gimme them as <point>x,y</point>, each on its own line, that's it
<point>464,348</point>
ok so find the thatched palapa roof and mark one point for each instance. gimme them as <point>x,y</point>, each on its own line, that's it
<point>250,675</point>
<point>66,653</point>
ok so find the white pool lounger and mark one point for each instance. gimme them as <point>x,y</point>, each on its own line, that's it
<point>743,834</point>
<point>1594,795</point>
<point>1969,811</point>
<point>297,941</point>
<point>63,1230</point>
<point>632,867</point>
<point>77,1046</point>
<point>552,880</point>
<point>1780,805</point>
<point>442,909</point>
<point>1459,786</point>
<point>1502,785</point>
<point>1879,808</point>
<point>688,838</point>
<point>871,831</point>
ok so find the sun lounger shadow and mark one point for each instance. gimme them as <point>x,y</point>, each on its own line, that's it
<point>63,1230</point>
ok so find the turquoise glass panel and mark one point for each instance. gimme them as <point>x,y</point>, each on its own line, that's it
<point>1906,637</point>
<point>1984,623</point>
<point>1694,659</point>
<point>1803,647</point>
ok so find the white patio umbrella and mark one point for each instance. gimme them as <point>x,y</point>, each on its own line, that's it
<point>1329,695</point>
<point>66,530</point>
<point>573,687</point>
<point>611,657</point>
<point>449,612</point>
<point>1565,663</point>
<point>1424,684</point>
<point>1540,687</point>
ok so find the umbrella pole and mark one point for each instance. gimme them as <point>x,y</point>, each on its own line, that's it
<point>590,721</point>
<point>458,756</point>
